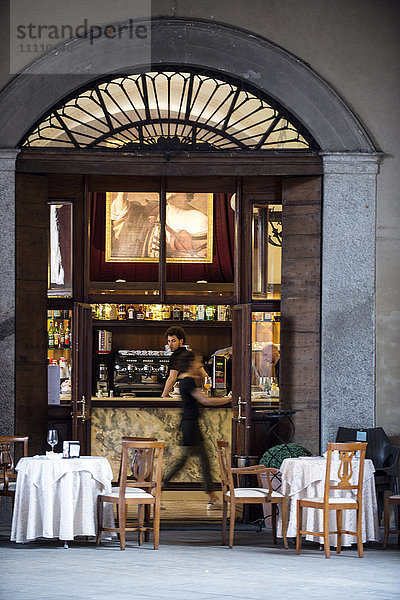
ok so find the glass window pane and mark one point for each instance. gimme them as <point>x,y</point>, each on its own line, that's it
<point>60,250</point>
<point>150,112</point>
<point>59,355</point>
<point>265,355</point>
<point>267,251</point>
<point>132,227</point>
<point>200,244</point>
<point>124,245</point>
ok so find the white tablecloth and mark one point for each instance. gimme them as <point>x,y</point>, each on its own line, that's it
<point>57,498</point>
<point>304,477</point>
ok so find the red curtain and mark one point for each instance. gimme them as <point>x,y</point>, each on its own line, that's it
<point>219,271</point>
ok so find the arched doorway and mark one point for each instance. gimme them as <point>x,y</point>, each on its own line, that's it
<point>332,125</point>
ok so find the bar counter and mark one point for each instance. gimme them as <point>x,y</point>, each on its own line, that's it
<point>112,418</point>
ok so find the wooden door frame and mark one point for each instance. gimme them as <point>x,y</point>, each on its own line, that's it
<point>252,172</point>
<point>32,227</point>
<point>82,385</point>
<point>242,163</point>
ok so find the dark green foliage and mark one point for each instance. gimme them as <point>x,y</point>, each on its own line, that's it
<point>276,455</point>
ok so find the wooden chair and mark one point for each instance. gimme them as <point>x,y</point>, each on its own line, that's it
<point>144,491</point>
<point>384,455</point>
<point>142,465</point>
<point>248,495</point>
<point>8,451</point>
<point>395,500</point>
<point>339,503</point>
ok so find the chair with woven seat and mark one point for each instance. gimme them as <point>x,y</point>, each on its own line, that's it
<point>344,468</point>
<point>140,492</point>
<point>232,495</point>
<point>9,455</point>
<point>391,500</point>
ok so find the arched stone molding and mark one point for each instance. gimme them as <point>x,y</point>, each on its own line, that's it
<point>182,42</point>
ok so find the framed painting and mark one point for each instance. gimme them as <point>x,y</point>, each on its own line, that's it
<point>133,227</point>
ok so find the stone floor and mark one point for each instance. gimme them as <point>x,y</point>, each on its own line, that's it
<point>191,564</point>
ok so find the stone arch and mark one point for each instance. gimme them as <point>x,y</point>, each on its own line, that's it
<point>184,42</point>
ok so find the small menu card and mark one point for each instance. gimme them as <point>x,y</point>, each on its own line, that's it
<point>71,449</point>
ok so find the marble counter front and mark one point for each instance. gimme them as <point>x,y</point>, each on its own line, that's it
<point>112,419</point>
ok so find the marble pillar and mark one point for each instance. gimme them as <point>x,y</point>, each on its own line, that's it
<point>348,293</point>
<point>7,302</point>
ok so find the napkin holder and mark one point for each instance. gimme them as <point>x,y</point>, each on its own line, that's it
<point>71,449</point>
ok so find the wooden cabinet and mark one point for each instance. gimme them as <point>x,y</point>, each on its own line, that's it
<point>204,337</point>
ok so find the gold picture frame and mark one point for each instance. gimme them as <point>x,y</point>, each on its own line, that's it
<point>132,227</point>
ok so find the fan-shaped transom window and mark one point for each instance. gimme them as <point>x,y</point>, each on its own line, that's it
<point>170,110</point>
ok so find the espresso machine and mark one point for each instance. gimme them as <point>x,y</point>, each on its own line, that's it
<point>140,372</point>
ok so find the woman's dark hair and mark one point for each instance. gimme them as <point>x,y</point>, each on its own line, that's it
<point>186,359</point>
<point>178,331</point>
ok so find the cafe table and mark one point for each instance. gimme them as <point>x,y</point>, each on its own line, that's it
<point>304,477</point>
<point>57,498</point>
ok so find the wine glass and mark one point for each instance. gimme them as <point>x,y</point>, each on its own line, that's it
<point>207,384</point>
<point>264,384</point>
<point>52,438</point>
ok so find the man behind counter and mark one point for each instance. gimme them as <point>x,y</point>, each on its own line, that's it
<point>176,338</point>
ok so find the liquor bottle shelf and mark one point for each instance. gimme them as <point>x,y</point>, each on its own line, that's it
<point>140,323</point>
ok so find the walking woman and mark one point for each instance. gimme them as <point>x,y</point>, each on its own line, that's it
<point>193,442</point>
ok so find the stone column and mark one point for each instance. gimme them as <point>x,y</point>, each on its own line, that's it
<point>348,293</point>
<point>7,302</point>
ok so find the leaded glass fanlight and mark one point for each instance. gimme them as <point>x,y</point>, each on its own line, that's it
<point>169,110</point>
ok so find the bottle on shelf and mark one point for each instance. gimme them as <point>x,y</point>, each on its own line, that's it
<point>107,312</point>
<point>157,312</point>
<point>61,335</point>
<point>50,335</point>
<point>210,312</point>
<point>186,312</point>
<point>221,312</point>
<point>114,312</point>
<point>121,312</point>
<point>201,312</point>
<point>193,312</point>
<point>130,313</point>
<point>140,313</point>
<point>176,313</point>
<point>56,335</point>
<point>166,312</point>
<point>67,336</point>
